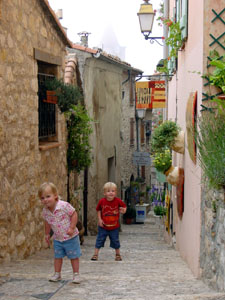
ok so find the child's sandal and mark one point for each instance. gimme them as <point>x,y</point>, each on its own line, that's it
<point>94,257</point>
<point>118,257</point>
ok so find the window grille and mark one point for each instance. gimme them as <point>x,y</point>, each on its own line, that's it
<point>46,111</point>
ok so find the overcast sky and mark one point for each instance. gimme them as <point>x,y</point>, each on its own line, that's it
<point>121,15</point>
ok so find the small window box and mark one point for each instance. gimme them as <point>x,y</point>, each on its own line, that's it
<point>51,97</point>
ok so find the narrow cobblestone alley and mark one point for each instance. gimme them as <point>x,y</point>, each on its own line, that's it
<point>150,269</point>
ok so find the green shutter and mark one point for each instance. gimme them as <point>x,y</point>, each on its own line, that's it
<point>184,19</point>
<point>178,10</point>
<point>171,62</point>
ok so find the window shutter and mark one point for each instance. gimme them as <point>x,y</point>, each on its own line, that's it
<point>131,131</point>
<point>143,171</point>
<point>184,19</point>
<point>171,63</point>
<point>142,132</point>
<point>178,10</point>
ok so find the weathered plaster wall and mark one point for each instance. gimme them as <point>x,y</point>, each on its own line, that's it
<point>23,167</point>
<point>183,83</point>
<point>103,92</point>
<point>128,112</point>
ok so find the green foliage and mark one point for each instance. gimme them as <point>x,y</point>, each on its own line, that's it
<point>174,39</point>
<point>67,94</point>
<point>164,69</point>
<point>217,78</point>
<point>210,140</point>
<point>164,136</point>
<point>130,213</point>
<point>160,211</point>
<point>78,123</point>
<point>163,160</point>
<point>79,130</point>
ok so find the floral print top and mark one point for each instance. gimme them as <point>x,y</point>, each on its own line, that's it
<point>59,220</point>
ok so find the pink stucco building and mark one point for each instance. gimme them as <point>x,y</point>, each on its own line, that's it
<point>201,22</point>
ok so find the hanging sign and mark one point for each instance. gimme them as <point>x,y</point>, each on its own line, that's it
<point>150,94</point>
<point>141,158</point>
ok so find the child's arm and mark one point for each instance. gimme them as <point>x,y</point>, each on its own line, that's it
<point>47,232</point>
<point>123,210</point>
<point>73,223</point>
<point>100,222</point>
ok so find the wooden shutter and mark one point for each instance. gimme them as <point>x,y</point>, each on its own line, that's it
<point>131,131</point>
<point>142,132</point>
<point>184,18</point>
<point>143,171</point>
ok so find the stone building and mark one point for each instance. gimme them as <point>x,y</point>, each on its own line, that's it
<point>32,132</point>
<point>106,99</point>
<point>198,230</point>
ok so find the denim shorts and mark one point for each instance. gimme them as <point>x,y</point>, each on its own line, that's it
<point>113,236</point>
<point>69,248</point>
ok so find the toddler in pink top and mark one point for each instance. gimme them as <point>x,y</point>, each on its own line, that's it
<point>61,218</point>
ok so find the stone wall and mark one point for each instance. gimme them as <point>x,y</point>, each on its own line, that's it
<point>212,255</point>
<point>23,167</point>
<point>128,112</point>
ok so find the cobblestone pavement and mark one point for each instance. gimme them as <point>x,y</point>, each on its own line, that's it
<point>150,270</point>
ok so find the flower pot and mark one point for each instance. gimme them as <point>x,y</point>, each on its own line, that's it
<point>178,145</point>
<point>51,97</point>
<point>172,175</point>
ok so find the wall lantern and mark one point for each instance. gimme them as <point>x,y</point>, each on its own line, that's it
<point>146,16</point>
<point>141,113</point>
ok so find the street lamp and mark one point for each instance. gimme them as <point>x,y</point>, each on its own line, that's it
<point>146,16</point>
<point>140,113</point>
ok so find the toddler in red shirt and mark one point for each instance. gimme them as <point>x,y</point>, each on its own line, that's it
<point>109,209</point>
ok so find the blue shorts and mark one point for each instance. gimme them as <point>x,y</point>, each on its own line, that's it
<point>69,248</point>
<point>113,236</point>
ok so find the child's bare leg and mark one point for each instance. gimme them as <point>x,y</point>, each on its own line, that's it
<point>117,251</point>
<point>75,265</point>
<point>58,264</point>
<point>96,251</point>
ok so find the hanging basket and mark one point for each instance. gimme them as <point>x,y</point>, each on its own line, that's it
<point>178,145</point>
<point>172,175</point>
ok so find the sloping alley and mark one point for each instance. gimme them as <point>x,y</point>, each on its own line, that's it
<point>151,269</point>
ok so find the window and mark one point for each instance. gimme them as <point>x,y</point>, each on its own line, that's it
<point>46,111</point>
<point>182,16</point>
<point>131,131</point>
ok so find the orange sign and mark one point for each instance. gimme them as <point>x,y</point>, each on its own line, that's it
<point>150,94</point>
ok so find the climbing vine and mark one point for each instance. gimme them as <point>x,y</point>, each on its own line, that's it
<point>70,102</point>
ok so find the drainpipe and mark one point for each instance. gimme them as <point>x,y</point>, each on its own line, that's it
<point>128,72</point>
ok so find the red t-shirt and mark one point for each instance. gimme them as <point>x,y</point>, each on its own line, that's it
<point>110,212</point>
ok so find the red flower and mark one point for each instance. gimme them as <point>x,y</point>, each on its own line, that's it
<point>168,57</point>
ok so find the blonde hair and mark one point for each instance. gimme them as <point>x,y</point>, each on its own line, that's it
<point>44,186</point>
<point>109,185</point>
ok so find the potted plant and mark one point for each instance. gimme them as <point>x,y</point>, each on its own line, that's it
<point>210,137</point>
<point>217,78</point>
<point>129,215</point>
<point>163,163</point>
<point>168,134</point>
<point>160,210</point>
